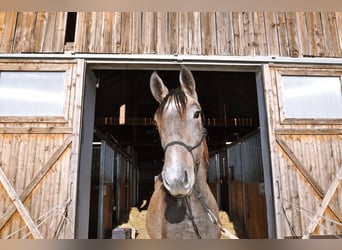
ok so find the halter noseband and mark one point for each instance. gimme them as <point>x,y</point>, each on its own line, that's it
<point>187,147</point>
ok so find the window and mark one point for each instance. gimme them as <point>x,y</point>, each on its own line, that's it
<point>311,97</point>
<point>31,93</point>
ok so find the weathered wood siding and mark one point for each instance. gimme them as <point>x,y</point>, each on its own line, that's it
<point>290,34</point>
<point>39,158</point>
<point>305,157</point>
<point>39,32</point>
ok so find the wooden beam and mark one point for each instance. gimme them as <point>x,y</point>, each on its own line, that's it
<point>19,205</point>
<point>307,176</point>
<point>35,181</point>
<point>308,131</point>
<point>325,202</point>
<point>35,130</point>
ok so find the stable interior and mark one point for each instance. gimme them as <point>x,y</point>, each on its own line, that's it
<point>125,108</point>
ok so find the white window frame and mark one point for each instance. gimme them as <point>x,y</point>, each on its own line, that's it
<point>42,67</point>
<point>305,72</point>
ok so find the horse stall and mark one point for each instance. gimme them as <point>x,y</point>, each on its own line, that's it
<point>79,148</point>
<point>236,177</point>
<point>112,186</point>
<point>247,204</point>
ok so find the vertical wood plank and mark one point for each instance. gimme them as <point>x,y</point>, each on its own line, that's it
<point>20,41</point>
<point>173,32</point>
<point>271,34</point>
<point>259,34</point>
<point>149,33</point>
<point>194,22</point>
<point>248,31</point>
<point>126,35</point>
<point>28,34</point>
<point>7,31</point>
<point>282,34</point>
<point>59,33</point>
<point>80,31</point>
<point>302,33</point>
<point>222,33</point>
<point>230,34</point>
<point>116,45</point>
<point>136,33</point>
<point>315,34</point>
<point>183,41</point>
<point>208,33</point>
<point>107,36</point>
<point>2,30</point>
<point>99,36</point>
<point>291,23</point>
<point>49,31</point>
<point>161,33</point>
<point>330,34</point>
<point>40,31</point>
<point>90,30</point>
<point>338,16</point>
<point>239,42</point>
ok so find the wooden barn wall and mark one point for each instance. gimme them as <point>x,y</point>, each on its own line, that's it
<point>39,159</point>
<point>26,32</point>
<point>305,157</point>
<point>312,34</point>
<point>290,34</point>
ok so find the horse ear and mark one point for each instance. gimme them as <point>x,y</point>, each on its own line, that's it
<point>187,82</point>
<point>158,89</point>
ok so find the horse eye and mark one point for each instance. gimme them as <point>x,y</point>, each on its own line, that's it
<point>197,114</point>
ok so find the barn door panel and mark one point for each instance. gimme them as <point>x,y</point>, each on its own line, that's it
<point>34,182</point>
<point>305,137</point>
<point>308,166</point>
<point>39,150</point>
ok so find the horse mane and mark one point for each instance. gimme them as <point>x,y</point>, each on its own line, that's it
<point>179,98</point>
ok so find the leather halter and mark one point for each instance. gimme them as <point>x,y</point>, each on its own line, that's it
<point>198,195</point>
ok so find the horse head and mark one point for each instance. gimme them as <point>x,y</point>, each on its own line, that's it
<point>178,119</point>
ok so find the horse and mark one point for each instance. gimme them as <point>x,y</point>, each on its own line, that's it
<point>182,205</point>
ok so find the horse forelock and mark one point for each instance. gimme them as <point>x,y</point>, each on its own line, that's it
<point>176,97</point>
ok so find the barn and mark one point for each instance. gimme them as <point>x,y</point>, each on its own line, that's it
<point>78,145</point>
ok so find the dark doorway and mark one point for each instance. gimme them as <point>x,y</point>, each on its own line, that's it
<point>125,108</point>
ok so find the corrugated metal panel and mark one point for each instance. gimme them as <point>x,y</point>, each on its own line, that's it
<point>245,159</point>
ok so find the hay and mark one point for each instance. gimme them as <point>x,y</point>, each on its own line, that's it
<point>136,222</point>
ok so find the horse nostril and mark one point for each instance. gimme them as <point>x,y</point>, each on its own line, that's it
<point>166,183</point>
<point>186,179</point>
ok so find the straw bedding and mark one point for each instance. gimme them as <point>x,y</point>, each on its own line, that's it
<point>136,222</point>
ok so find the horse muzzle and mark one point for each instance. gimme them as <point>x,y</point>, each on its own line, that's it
<point>178,183</point>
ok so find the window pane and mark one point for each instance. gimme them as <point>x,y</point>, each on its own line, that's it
<point>312,97</point>
<point>31,93</point>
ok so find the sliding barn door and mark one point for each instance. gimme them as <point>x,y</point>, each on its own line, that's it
<point>39,126</point>
<point>304,109</point>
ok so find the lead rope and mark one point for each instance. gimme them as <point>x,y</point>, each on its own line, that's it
<point>192,218</point>
<point>212,217</point>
